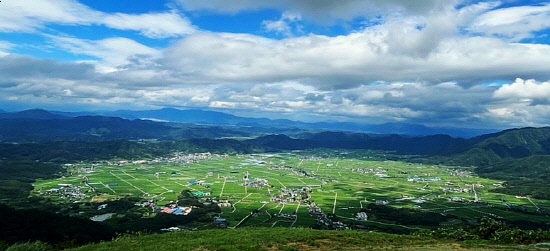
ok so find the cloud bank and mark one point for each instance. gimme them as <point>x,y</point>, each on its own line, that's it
<point>431,62</point>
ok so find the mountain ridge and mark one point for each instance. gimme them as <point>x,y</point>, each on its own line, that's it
<point>206,117</point>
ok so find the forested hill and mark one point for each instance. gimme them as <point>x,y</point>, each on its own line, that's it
<point>510,144</point>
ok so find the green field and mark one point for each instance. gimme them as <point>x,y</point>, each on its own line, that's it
<point>336,188</point>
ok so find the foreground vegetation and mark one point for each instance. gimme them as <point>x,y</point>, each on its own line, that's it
<point>488,235</point>
<point>284,239</point>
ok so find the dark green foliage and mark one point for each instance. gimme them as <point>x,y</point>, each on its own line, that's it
<point>404,216</point>
<point>262,239</point>
<point>31,246</point>
<point>186,198</point>
<point>17,177</point>
<point>490,229</point>
<point>129,222</point>
<point>31,225</point>
<point>3,245</point>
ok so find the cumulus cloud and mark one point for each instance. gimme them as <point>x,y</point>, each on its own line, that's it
<point>322,10</point>
<point>29,15</point>
<point>286,25</point>
<point>530,89</point>
<point>419,102</point>
<point>370,55</point>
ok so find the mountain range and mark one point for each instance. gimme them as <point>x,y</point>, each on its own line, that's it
<point>205,117</point>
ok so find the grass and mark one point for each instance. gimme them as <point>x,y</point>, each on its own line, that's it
<point>283,239</point>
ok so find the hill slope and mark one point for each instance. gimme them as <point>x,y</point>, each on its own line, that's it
<point>279,239</point>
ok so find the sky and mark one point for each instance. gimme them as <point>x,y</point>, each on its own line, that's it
<point>461,63</point>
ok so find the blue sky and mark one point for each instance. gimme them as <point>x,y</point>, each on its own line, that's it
<point>436,62</point>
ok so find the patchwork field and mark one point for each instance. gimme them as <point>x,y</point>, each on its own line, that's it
<point>339,185</point>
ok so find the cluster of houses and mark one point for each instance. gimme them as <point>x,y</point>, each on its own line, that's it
<point>287,216</point>
<point>174,158</point>
<point>289,195</point>
<point>220,203</point>
<point>67,192</point>
<point>187,158</point>
<point>420,179</point>
<point>382,202</point>
<point>461,199</point>
<point>280,167</point>
<point>223,203</point>
<point>172,208</point>
<point>322,220</point>
<point>302,173</point>
<point>362,216</point>
<point>458,199</point>
<point>456,190</point>
<point>201,194</point>
<point>257,183</point>
<point>461,173</point>
<point>196,182</point>
<point>147,203</point>
<point>368,170</point>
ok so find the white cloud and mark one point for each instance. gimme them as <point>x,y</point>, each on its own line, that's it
<point>113,53</point>
<point>419,102</point>
<point>284,25</point>
<point>378,53</point>
<point>154,25</point>
<point>27,15</point>
<point>520,88</point>
<point>30,15</point>
<point>514,23</point>
<point>5,47</point>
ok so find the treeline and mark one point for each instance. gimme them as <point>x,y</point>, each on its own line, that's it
<point>51,223</point>
<point>17,177</point>
<point>30,225</point>
<point>489,229</point>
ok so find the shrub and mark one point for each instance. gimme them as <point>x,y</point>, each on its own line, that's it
<point>31,246</point>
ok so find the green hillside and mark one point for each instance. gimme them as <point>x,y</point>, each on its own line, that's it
<point>488,150</point>
<point>519,156</point>
<point>283,239</point>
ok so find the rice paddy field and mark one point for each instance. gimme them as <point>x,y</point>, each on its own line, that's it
<point>339,186</point>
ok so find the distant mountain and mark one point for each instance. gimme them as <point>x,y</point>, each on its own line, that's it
<point>37,126</point>
<point>184,116</point>
<point>256,125</point>
<point>425,145</point>
<point>78,114</point>
<point>32,114</point>
<point>220,118</point>
<point>420,130</point>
